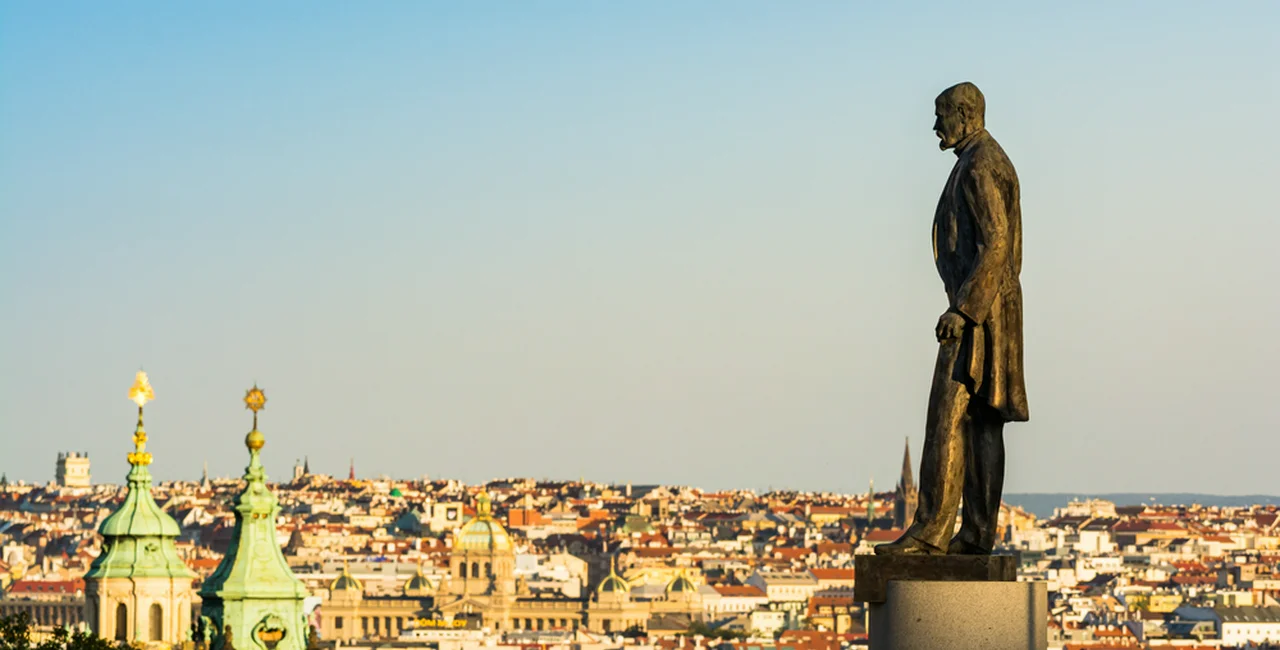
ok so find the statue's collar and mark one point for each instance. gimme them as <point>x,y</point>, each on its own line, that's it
<point>969,141</point>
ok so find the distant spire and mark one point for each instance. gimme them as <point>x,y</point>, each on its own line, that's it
<point>351,474</point>
<point>871,503</point>
<point>204,477</point>
<point>906,481</point>
<point>306,465</point>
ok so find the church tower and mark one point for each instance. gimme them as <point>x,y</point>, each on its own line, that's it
<point>906,495</point>
<point>138,589</point>
<point>253,599</point>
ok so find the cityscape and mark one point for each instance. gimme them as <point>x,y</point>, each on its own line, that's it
<point>717,325</point>
<point>353,561</point>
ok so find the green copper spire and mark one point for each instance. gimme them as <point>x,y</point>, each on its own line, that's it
<point>138,538</point>
<point>253,594</point>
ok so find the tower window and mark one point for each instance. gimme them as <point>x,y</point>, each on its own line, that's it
<point>122,622</point>
<point>157,622</point>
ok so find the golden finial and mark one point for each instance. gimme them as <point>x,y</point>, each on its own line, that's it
<point>255,400</point>
<point>484,507</point>
<point>141,393</point>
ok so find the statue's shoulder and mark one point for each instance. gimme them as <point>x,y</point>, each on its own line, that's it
<point>989,157</point>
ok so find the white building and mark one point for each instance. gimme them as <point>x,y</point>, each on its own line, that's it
<point>735,600</point>
<point>784,586</point>
<point>1240,625</point>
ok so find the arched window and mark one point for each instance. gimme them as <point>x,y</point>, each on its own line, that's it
<point>122,622</point>
<point>488,570</point>
<point>157,622</point>
<point>475,569</point>
<point>462,570</point>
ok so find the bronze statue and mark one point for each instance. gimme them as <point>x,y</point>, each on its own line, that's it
<point>977,382</point>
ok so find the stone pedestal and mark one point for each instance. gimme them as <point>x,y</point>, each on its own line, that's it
<point>960,616</point>
<point>950,602</point>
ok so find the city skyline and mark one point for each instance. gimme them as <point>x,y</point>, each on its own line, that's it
<point>672,244</point>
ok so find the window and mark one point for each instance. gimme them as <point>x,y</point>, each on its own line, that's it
<point>337,622</point>
<point>475,570</point>
<point>157,622</point>
<point>122,622</point>
<point>462,570</point>
<point>488,570</point>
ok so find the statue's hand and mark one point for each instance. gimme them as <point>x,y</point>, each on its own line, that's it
<point>950,326</point>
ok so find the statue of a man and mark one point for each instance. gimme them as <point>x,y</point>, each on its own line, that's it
<point>977,382</point>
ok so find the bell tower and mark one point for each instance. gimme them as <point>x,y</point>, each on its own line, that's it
<point>253,599</point>
<point>138,589</point>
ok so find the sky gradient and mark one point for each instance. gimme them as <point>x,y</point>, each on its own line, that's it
<point>648,242</point>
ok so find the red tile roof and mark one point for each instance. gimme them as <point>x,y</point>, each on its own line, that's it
<point>739,591</point>
<point>832,574</point>
<point>46,587</point>
<point>881,535</point>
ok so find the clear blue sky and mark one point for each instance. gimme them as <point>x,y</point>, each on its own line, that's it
<point>649,241</point>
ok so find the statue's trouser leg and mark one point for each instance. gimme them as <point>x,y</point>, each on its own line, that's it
<point>943,461</point>
<point>984,478</point>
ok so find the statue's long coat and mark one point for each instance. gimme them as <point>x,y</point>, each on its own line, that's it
<point>977,245</point>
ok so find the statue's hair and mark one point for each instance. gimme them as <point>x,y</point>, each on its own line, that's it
<point>967,95</point>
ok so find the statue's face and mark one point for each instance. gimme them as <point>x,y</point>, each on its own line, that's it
<point>950,124</point>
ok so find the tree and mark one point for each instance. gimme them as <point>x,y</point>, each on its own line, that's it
<point>700,628</point>
<point>15,634</point>
<point>634,632</point>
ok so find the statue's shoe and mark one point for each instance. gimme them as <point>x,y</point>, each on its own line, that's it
<point>907,545</point>
<point>961,547</point>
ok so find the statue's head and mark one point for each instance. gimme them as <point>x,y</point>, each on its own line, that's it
<point>960,111</point>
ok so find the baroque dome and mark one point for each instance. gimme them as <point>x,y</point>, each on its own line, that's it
<point>346,581</point>
<point>483,534</point>
<point>614,584</point>
<point>417,584</point>
<point>681,585</point>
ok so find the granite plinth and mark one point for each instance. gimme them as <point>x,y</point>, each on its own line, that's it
<point>922,615</point>
<point>874,572</point>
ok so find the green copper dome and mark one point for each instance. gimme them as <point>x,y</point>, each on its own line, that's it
<point>254,567</point>
<point>138,538</point>
<point>139,515</point>
<point>614,584</point>
<point>346,581</point>
<point>483,534</point>
<point>681,585</point>
<point>417,584</point>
